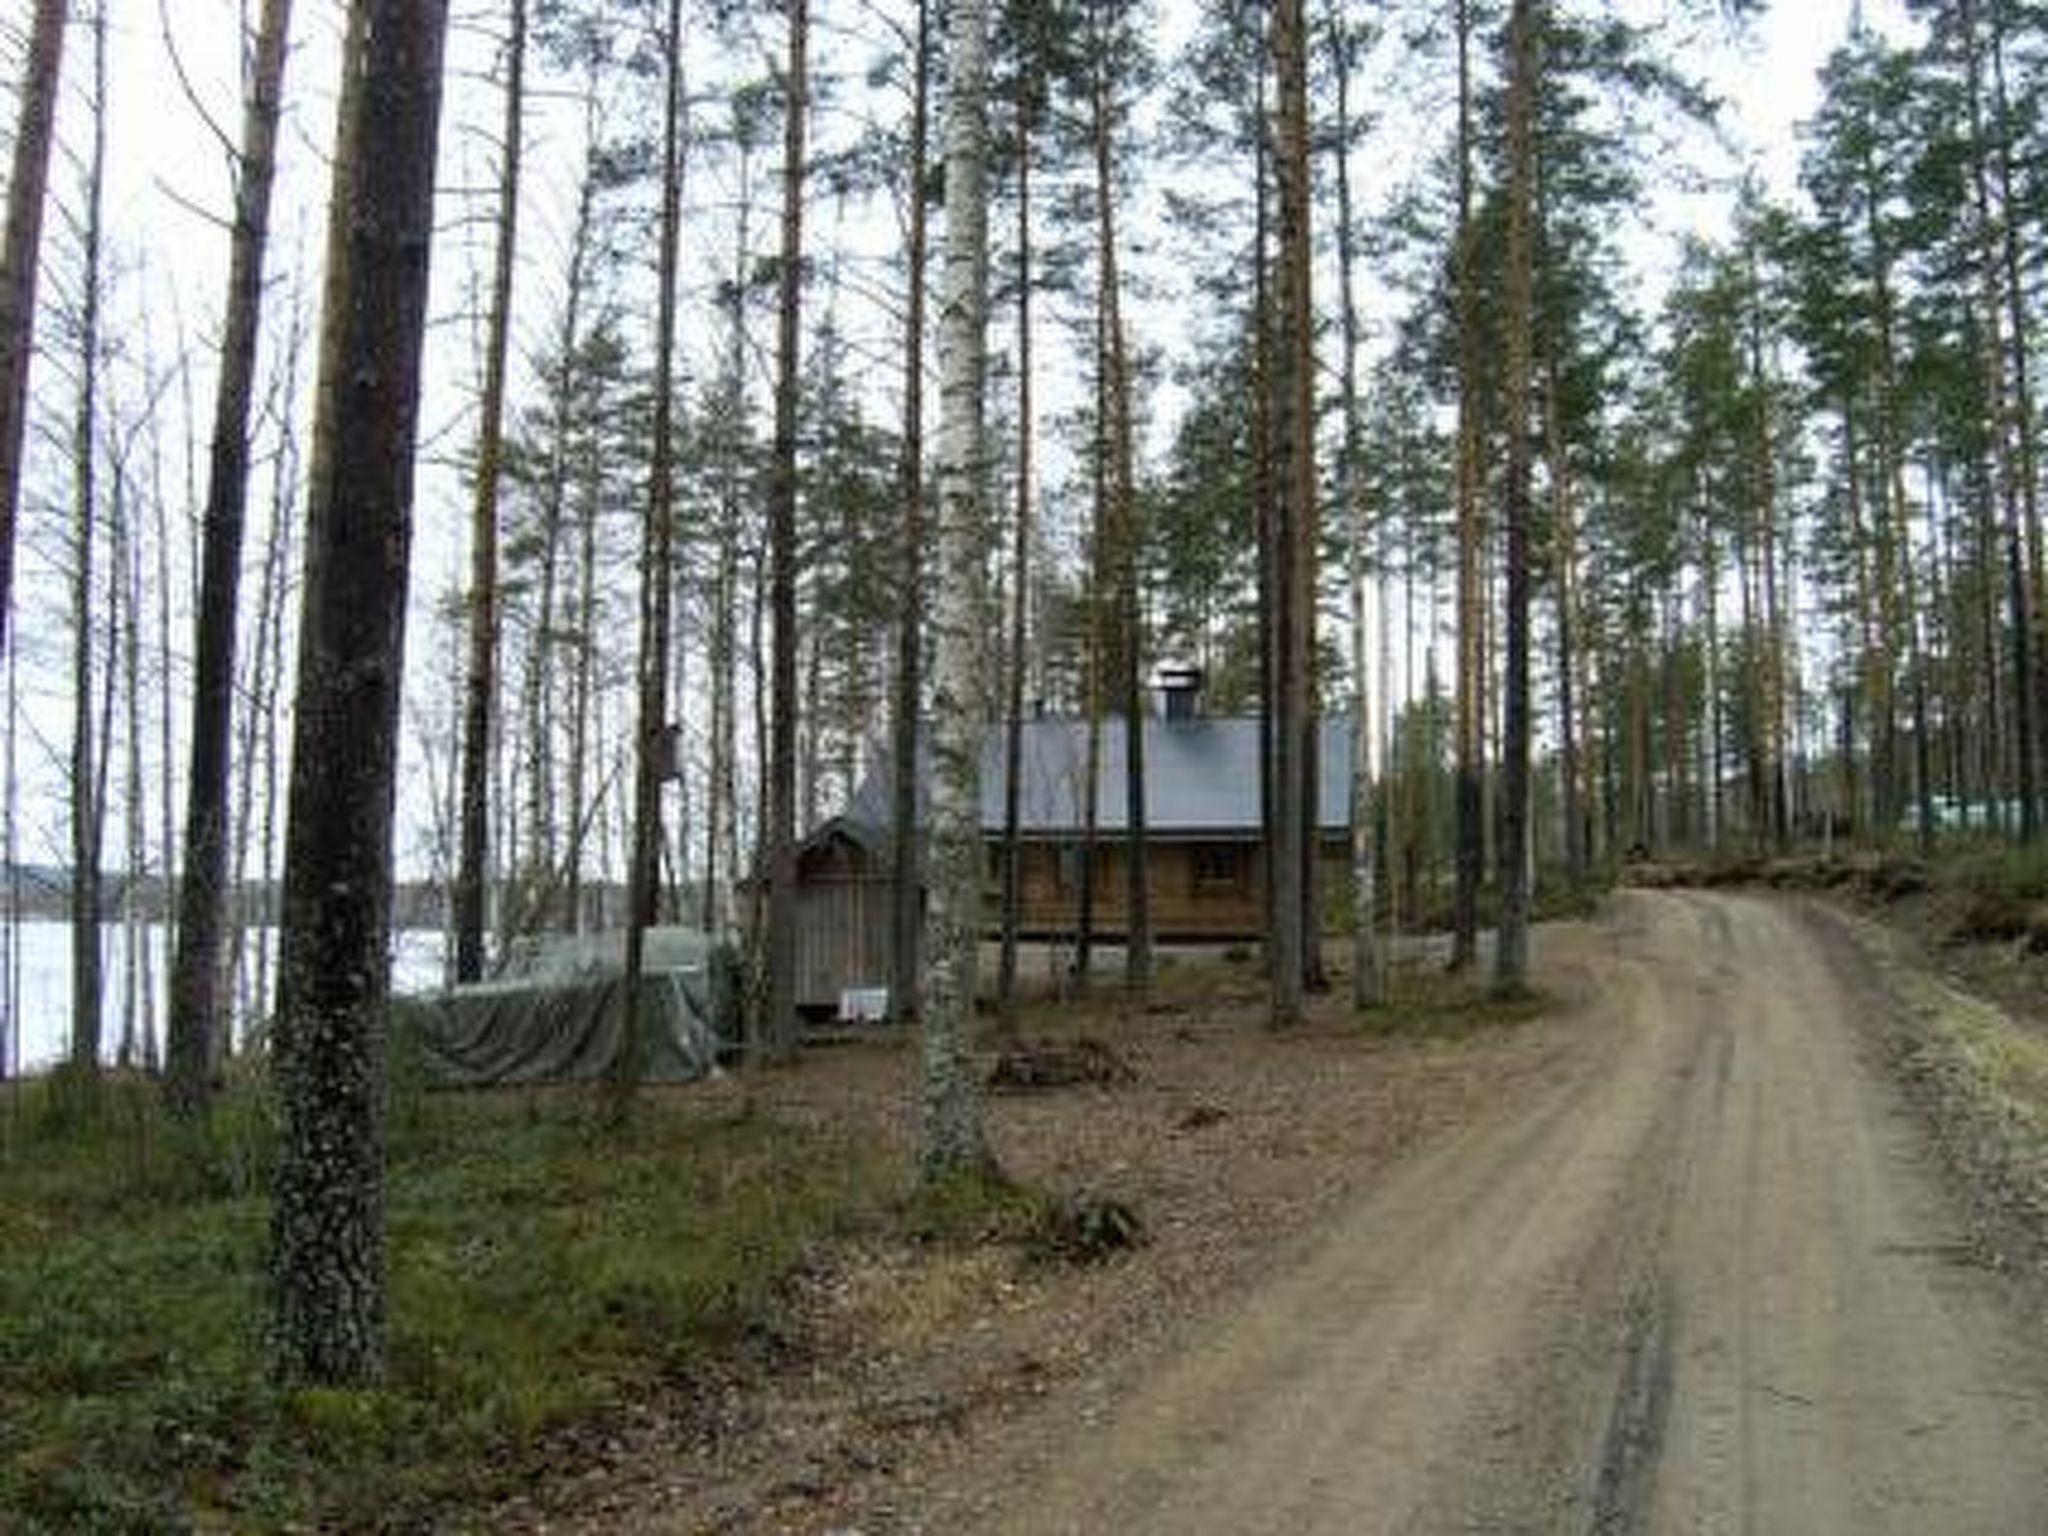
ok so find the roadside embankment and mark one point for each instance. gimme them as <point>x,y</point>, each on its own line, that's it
<point>1959,942</point>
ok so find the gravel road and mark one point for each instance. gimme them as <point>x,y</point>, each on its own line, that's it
<point>1709,1280</point>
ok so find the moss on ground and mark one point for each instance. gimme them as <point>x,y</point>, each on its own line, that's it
<point>544,1273</point>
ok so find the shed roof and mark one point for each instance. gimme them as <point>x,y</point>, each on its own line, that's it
<point>1201,779</point>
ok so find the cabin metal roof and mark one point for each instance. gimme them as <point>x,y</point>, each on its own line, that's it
<point>1201,780</point>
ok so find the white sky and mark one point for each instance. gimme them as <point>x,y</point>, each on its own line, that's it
<point>166,167</point>
<point>168,183</point>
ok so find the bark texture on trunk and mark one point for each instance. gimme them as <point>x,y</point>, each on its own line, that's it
<point>776,1038</point>
<point>951,1139</point>
<point>657,564</point>
<point>20,248</point>
<point>88,761</point>
<point>1511,954</point>
<point>906,917</point>
<point>2009,466</point>
<point>199,973</point>
<point>1117,522</point>
<point>1368,976</point>
<point>480,698</point>
<point>1293,581</point>
<point>327,1232</point>
<point>1468,857</point>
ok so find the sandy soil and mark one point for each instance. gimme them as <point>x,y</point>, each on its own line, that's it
<point>1674,1257</point>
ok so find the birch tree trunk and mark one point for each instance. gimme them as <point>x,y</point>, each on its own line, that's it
<point>951,1139</point>
<point>327,1322</point>
<point>20,248</point>
<point>200,971</point>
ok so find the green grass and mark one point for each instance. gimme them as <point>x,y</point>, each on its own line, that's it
<point>544,1273</point>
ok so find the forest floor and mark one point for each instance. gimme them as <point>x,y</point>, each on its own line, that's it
<point>1732,1231</point>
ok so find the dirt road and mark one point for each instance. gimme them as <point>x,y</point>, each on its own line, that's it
<point>1707,1282</point>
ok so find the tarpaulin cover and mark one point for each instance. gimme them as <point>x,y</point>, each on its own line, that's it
<point>555,1015</point>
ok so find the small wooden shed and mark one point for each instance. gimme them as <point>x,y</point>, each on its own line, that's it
<point>844,890</point>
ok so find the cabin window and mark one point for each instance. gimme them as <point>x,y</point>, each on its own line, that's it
<point>1218,869</point>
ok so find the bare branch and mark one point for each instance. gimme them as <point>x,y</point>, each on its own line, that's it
<point>206,118</point>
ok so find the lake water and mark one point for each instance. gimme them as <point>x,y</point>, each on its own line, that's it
<point>43,1035</point>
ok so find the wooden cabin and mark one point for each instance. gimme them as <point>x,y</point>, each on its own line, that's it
<point>1203,843</point>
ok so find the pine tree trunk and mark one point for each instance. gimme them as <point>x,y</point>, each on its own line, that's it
<point>777,1037</point>
<point>1874,667</point>
<point>541,688</point>
<point>1715,733</point>
<point>583,708</point>
<point>1264,518</point>
<point>1469,766</point>
<point>260,751</point>
<point>1642,812</point>
<point>1293,569</point>
<point>1091,779</point>
<point>199,1005</point>
<point>2019,325</point>
<point>657,584</point>
<point>480,696</point>
<point>1020,563</point>
<point>138,1026</point>
<point>20,247</point>
<point>907,915</point>
<point>722,839</point>
<point>1895,576</point>
<point>10,862</point>
<point>88,805</point>
<point>950,1138</point>
<point>1775,826</point>
<point>1511,957</point>
<point>2013,482</point>
<point>721,812</point>
<point>168,596</point>
<point>1564,533</point>
<point>1117,525</point>
<point>1368,977</point>
<point>327,1231</point>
